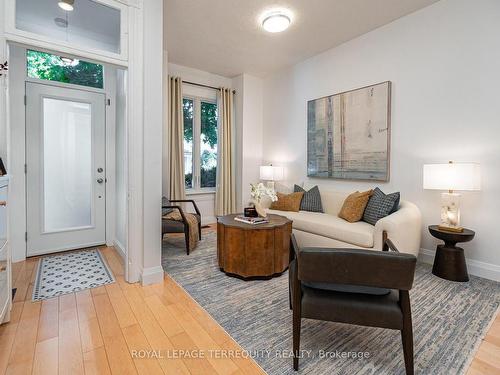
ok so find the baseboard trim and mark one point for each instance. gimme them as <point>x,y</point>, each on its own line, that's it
<point>152,275</point>
<point>208,220</point>
<point>120,249</point>
<point>475,267</point>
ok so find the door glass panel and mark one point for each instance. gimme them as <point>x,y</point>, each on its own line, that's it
<point>89,24</point>
<point>67,164</point>
<point>208,144</point>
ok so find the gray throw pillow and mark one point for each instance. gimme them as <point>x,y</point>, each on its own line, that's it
<point>380,205</point>
<point>311,200</point>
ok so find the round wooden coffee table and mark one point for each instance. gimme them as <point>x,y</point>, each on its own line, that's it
<point>253,251</point>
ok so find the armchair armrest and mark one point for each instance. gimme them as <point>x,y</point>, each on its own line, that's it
<point>187,201</point>
<point>181,212</point>
<point>403,227</point>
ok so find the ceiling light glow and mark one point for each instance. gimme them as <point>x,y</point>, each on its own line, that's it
<point>66,5</point>
<point>68,61</point>
<point>276,21</point>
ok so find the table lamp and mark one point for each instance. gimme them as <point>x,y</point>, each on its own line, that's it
<point>271,174</point>
<point>452,177</point>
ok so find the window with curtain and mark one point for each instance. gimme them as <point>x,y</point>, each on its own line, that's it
<point>200,143</point>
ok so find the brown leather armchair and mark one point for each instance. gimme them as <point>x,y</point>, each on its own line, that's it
<point>175,226</point>
<point>354,286</point>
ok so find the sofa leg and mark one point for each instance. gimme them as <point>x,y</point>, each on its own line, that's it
<point>407,332</point>
<point>186,235</point>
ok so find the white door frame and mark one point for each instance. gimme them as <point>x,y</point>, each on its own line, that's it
<point>17,138</point>
<point>145,41</point>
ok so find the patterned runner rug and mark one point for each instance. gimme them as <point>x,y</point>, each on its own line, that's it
<point>70,272</point>
<point>449,320</point>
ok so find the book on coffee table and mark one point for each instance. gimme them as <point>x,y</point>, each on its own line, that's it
<point>251,220</point>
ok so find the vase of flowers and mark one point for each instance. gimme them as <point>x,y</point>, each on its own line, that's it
<point>259,192</point>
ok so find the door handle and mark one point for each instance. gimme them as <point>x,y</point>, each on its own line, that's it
<point>100,180</point>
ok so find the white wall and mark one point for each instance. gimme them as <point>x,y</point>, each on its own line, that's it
<point>205,201</point>
<point>443,62</point>
<point>249,134</point>
<point>152,271</point>
<point>121,162</point>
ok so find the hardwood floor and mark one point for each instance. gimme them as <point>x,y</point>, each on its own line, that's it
<point>107,330</point>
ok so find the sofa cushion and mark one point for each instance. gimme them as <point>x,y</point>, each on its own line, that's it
<point>288,202</point>
<point>311,201</point>
<point>332,200</point>
<point>359,234</point>
<point>380,205</point>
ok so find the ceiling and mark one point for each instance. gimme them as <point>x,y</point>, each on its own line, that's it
<point>224,36</point>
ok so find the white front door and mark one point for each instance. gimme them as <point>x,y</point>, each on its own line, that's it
<point>65,176</point>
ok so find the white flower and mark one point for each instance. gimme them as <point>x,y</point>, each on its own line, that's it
<point>259,191</point>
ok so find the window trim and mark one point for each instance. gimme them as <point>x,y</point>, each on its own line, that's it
<point>196,179</point>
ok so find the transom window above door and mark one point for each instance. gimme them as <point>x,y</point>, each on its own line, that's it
<point>96,26</point>
<point>200,144</point>
<point>46,66</point>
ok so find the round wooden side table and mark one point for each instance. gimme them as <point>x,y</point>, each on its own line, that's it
<point>253,251</point>
<point>449,262</point>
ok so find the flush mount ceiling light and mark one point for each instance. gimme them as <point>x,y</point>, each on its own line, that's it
<point>276,21</point>
<point>66,5</point>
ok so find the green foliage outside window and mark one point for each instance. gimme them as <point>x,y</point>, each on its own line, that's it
<point>51,67</point>
<point>207,157</point>
<point>208,122</point>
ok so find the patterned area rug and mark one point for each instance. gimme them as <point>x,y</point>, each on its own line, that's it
<point>70,272</point>
<point>449,319</point>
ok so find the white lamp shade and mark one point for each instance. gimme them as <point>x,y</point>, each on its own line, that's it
<point>452,176</point>
<point>271,173</point>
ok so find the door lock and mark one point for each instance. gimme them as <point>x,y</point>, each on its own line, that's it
<point>100,180</point>
<point>100,170</point>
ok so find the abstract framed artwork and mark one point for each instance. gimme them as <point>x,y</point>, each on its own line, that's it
<point>348,134</point>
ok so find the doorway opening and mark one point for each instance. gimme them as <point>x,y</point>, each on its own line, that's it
<point>71,138</point>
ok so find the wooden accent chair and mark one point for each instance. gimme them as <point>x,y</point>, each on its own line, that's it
<point>354,286</point>
<point>176,226</point>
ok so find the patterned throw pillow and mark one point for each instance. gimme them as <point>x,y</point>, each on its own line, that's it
<point>354,206</point>
<point>287,202</point>
<point>380,205</point>
<point>311,201</point>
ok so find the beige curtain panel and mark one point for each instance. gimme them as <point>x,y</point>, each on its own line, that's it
<point>176,139</point>
<point>225,197</point>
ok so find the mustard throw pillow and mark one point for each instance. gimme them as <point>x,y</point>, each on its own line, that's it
<point>288,202</point>
<point>354,206</point>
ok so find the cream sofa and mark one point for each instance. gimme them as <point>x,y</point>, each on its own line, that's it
<point>403,227</point>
